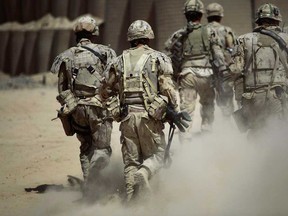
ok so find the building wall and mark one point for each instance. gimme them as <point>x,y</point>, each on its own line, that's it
<point>24,50</point>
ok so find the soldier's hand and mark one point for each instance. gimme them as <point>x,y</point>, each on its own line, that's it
<point>178,118</point>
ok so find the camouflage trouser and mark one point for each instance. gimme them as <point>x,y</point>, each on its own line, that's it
<point>262,105</point>
<point>143,145</point>
<point>224,96</point>
<point>239,90</point>
<point>95,136</point>
<point>190,85</point>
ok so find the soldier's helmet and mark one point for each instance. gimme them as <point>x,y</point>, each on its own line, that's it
<point>86,23</point>
<point>194,5</point>
<point>139,29</point>
<point>214,9</point>
<point>269,11</point>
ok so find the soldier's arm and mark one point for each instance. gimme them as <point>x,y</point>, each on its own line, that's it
<point>111,55</point>
<point>110,83</point>
<point>63,82</point>
<point>217,53</point>
<point>167,89</point>
<point>230,38</point>
<point>166,84</point>
<point>237,63</point>
<point>59,67</point>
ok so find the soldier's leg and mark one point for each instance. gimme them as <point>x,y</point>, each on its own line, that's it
<point>238,91</point>
<point>224,97</point>
<point>82,133</point>
<point>207,97</point>
<point>152,145</point>
<point>130,154</point>
<point>100,132</point>
<point>153,150</point>
<point>101,140</point>
<point>86,152</point>
<point>188,97</point>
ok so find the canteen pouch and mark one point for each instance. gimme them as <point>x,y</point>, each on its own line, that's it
<point>68,102</point>
<point>66,121</point>
<point>113,106</point>
<point>157,109</point>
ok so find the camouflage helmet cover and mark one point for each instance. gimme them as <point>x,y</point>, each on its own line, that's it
<point>86,23</point>
<point>139,29</point>
<point>194,5</point>
<point>214,9</point>
<point>270,11</point>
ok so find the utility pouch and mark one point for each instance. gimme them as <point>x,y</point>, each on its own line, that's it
<point>113,106</point>
<point>66,121</point>
<point>241,120</point>
<point>68,102</point>
<point>157,109</point>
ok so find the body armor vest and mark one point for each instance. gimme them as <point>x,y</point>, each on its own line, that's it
<point>85,72</point>
<point>139,78</point>
<point>264,66</point>
<point>196,48</point>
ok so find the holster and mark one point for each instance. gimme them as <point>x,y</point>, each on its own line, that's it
<point>66,121</point>
<point>68,101</point>
<point>157,109</point>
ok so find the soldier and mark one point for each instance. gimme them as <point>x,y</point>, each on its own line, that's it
<point>285,29</point>
<point>194,50</point>
<point>223,85</point>
<point>139,81</point>
<point>261,56</point>
<point>80,70</point>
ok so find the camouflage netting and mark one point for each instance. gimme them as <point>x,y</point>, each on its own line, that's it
<point>31,47</point>
<point>21,31</point>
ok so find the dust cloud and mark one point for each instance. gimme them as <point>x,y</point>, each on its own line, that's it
<point>217,174</point>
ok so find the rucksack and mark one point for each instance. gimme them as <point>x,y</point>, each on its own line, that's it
<point>86,71</point>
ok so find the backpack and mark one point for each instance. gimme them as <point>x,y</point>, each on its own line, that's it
<point>87,68</point>
<point>265,63</point>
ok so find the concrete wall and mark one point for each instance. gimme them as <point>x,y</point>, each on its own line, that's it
<point>27,50</point>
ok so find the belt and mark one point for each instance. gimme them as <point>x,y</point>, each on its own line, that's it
<point>137,109</point>
<point>85,97</point>
<point>261,88</point>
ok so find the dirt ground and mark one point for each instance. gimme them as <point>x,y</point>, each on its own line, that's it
<point>216,174</point>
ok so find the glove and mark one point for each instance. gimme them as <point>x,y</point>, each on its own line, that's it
<point>178,118</point>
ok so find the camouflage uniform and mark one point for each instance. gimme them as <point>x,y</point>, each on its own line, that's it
<point>80,71</point>
<point>263,62</point>
<point>223,85</point>
<point>197,48</point>
<point>136,77</point>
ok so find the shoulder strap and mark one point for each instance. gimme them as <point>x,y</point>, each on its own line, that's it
<point>275,36</point>
<point>102,59</point>
<point>205,37</point>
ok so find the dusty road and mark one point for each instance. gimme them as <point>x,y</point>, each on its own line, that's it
<point>216,174</point>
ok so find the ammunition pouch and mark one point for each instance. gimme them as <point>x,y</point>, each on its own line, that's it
<point>68,101</point>
<point>241,120</point>
<point>66,121</point>
<point>157,109</point>
<point>113,106</point>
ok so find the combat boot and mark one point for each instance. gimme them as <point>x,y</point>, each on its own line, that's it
<point>206,128</point>
<point>141,178</point>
